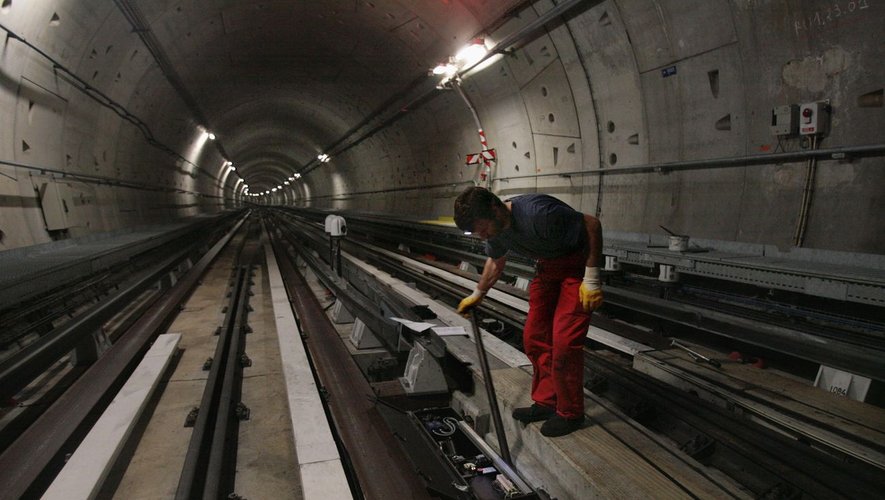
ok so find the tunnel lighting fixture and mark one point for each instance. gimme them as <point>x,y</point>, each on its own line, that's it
<point>468,233</point>
<point>447,69</point>
<point>211,136</point>
<point>274,190</point>
<point>465,58</point>
<point>296,175</point>
<point>286,183</point>
<point>323,158</point>
<point>472,53</point>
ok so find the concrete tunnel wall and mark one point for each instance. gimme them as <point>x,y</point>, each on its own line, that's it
<point>592,93</point>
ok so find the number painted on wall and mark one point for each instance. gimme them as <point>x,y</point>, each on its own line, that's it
<point>822,17</point>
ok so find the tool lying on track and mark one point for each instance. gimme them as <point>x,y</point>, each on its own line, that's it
<point>697,356</point>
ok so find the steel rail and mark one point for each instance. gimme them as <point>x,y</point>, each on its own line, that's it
<point>31,462</point>
<point>193,477</point>
<point>207,455</point>
<point>221,469</point>
<point>30,362</point>
<point>380,466</point>
<point>766,454</point>
<point>845,352</point>
<point>839,353</point>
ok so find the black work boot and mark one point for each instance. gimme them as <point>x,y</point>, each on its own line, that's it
<point>560,426</point>
<point>534,413</point>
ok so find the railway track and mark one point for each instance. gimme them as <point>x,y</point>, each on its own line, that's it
<point>760,461</point>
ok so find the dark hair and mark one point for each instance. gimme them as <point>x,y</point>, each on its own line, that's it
<point>476,203</point>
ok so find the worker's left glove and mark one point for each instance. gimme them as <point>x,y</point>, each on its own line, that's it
<point>590,291</point>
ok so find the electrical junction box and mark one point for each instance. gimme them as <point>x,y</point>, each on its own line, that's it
<point>814,118</point>
<point>785,120</point>
<point>452,459</point>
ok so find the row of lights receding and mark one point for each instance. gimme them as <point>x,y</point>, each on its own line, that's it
<point>211,136</point>
<point>466,57</point>
<point>287,182</point>
<point>323,158</point>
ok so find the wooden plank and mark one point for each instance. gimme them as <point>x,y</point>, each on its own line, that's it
<point>765,396</point>
<point>88,467</point>
<point>690,474</point>
<point>610,457</point>
<point>616,342</point>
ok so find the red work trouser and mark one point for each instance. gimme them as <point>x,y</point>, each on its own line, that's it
<point>554,333</point>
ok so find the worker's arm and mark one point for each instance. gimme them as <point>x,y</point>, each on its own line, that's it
<point>590,291</point>
<point>491,271</point>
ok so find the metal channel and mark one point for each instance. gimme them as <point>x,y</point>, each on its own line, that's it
<point>31,462</point>
<point>209,468</point>
<point>379,464</point>
<point>221,470</point>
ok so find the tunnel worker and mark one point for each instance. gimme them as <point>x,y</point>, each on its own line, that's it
<point>566,289</point>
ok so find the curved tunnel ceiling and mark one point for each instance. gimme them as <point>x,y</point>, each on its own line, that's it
<point>279,81</point>
<point>581,90</point>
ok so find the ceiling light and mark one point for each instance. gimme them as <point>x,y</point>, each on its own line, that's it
<point>211,136</point>
<point>286,182</point>
<point>323,158</point>
<point>274,190</point>
<point>297,175</point>
<point>472,53</point>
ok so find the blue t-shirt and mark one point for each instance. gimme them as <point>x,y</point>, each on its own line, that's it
<point>542,227</point>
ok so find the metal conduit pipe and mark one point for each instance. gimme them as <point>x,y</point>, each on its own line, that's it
<point>105,101</point>
<point>104,181</point>
<point>33,459</point>
<point>394,190</point>
<point>500,48</point>
<point>841,153</point>
<point>140,27</point>
<point>805,208</point>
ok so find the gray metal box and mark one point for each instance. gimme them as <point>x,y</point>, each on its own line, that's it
<point>785,120</point>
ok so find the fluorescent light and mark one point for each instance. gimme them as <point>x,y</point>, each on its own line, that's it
<point>472,53</point>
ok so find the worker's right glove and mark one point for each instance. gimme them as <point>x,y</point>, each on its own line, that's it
<point>471,301</point>
<point>590,291</point>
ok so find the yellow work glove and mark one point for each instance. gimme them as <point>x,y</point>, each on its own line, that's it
<point>471,301</point>
<point>590,291</point>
